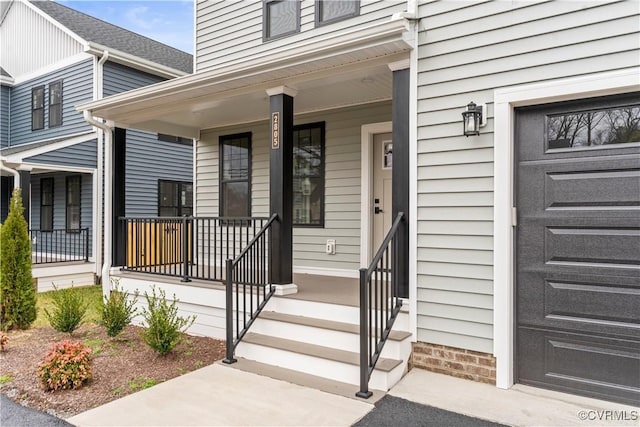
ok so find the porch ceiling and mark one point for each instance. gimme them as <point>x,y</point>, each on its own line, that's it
<point>335,73</point>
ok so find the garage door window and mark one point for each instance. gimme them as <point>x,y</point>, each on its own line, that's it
<point>594,128</point>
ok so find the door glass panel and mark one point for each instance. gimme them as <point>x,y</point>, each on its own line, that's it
<point>594,128</point>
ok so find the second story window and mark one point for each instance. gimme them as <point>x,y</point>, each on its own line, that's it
<point>329,11</point>
<point>177,139</point>
<point>55,104</point>
<point>37,108</point>
<point>280,18</point>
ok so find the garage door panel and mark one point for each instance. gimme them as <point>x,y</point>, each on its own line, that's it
<point>603,305</point>
<point>594,189</point>
<point>596,366</point>
<point>593,247</point>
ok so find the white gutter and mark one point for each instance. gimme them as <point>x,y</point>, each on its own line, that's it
<point>15,173</point>
<point>99,198</point>
<point>134,61</point>
<point>106,172</point>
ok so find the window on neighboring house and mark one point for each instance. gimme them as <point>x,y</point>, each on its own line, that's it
<point>175,198</point>
<point>280,18</point>
<point>73,203</point>
<point>37,108</point>
<point>308,175</point>
<point>46,204</point>
<point>329,11</point>
<point>176,139</point>
<point>55,104</point>
<point>235,175</point>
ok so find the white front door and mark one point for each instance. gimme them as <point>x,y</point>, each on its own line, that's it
<point>382,190</point>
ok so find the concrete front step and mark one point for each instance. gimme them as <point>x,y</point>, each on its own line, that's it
<point>339,335</point>
<point>327,362</point>
<point>303,379</point>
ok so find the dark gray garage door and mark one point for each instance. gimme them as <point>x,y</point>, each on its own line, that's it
<point>578,247</point>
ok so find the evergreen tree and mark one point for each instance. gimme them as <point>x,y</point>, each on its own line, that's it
<point>17,291</point>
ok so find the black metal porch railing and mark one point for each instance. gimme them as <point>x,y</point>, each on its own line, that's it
<point>59,245</point>
<point>185,247</point>
<point>379,304</point>
<point>249,275</point>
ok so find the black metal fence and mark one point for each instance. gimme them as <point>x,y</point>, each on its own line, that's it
<point>186,247</point>
<point>59,245</point>
<point>379,304</point>
<point>249,279</point>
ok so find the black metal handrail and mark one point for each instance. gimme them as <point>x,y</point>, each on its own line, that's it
<point>185,247</point>
<point>59,245</point>
<point>249,274</point>
<point>379,304</point>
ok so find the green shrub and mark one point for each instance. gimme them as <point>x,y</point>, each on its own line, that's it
<point>67,365</point>
<point>163,325</point>
<point>68,311</point>
<point>17,291</point>
<point>117,311</point>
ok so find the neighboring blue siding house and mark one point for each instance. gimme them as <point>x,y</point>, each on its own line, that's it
<point>55,155</point>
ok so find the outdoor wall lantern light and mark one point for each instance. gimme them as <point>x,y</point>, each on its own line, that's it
<point>474,118</point>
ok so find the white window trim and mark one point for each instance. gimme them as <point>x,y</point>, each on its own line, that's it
<point>505,100</point>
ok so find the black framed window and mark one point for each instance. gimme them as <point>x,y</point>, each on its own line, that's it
<point>55,104</point>
<point>330,11</point>
<point>73,184</point>
<point>46,204</point>
<point>175,198</point>
<point>177,139</point>
<point>37,108</point>
<point>235,175</point>
<point>308,175</point>
<point>280,18</point>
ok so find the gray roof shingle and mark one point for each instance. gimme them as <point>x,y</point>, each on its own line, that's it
<point>109,35</point>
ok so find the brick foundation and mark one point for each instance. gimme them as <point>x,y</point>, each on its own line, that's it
<point>457,362</point>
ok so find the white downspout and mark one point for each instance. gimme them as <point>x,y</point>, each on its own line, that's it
<point>108,206</point>
<point>15,173</point>
<point>99,93</point>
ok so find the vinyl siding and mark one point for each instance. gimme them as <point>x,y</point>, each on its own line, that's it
<point>82,155</point>
<point>28,41</point>
<point>5,97</point>
<point>77,87</point>
<point>510,43</point>
<point>147,159</point>
<point>342,182</point>
<point>119,78</point>
<point>59,202</point>
<point>231,31</point>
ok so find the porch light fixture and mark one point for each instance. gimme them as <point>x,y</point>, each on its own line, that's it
<point>474,118</point>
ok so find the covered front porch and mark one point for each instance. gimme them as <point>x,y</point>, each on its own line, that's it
<point>301,174</point>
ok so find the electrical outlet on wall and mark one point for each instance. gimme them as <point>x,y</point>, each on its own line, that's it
<point>331,247</point>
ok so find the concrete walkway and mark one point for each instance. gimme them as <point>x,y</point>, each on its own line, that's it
<point>518,406</point>
<point>217,395</point>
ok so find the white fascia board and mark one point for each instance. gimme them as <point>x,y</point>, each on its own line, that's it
<point>299,54</point>
<point>71,140</point>
<point>55,23</point>
<point>71,60</point>
<point>133,61</point>
<point>6,81</point>
<point>34,167</point>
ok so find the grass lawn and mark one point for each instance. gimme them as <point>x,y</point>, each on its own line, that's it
<point>91,295</point>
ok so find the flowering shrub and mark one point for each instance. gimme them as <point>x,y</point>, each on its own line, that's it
<point>67,365</point>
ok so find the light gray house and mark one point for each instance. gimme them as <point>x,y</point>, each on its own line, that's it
<point>75,58</point>
<point>514,233</point>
